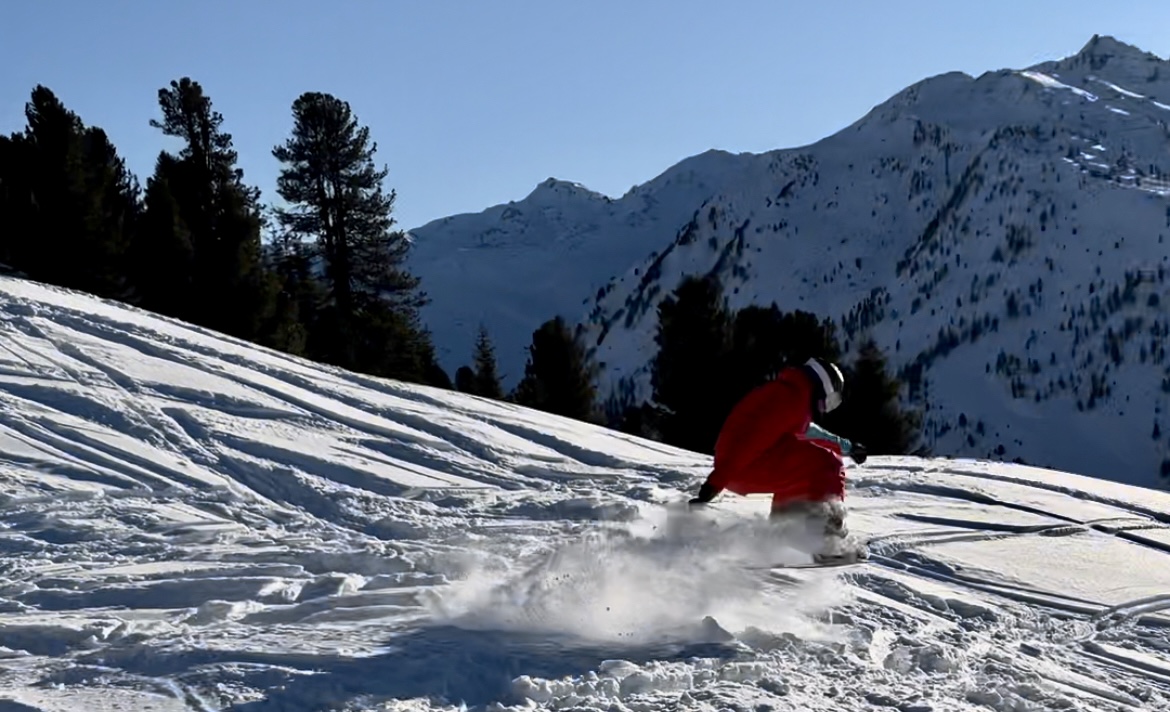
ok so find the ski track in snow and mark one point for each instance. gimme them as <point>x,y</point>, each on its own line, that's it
<point>190,523</point>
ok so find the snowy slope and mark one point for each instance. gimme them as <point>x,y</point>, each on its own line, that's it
<point>189,523</point>
<point>1003,236</point>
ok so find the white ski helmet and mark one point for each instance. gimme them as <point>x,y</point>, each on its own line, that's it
<point>829,381</point>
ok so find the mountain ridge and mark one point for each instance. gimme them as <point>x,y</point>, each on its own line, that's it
<point>963,224</point>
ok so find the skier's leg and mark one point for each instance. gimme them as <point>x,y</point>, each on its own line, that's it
<point>828,519</point>
<point>809,501</point>
<point>797,522</point>
<point>796,470</point>
<point>834,513</point>
<point>806,481</point>
<point>790,497</point>
<point>815,523</point>
<point>785,508</point>
<point>838,543</point>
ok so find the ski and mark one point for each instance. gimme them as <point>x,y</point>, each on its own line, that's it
<point>826,563</point>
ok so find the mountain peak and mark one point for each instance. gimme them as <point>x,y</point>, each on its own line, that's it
<point>962,225</point>
<point>1105,60</point>
<point>557,190</point>
<point>1116,58</point>
<point>1102,48</point>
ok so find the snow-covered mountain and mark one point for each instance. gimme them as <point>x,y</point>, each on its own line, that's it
<point>189,523</point>
<point>1002,237</point>
<point>514,266</point>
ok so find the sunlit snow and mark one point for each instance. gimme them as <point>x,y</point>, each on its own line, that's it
<point>192,523</point>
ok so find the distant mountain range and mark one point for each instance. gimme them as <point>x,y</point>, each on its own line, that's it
<point>1002,237</point>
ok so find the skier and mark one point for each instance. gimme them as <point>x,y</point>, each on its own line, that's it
<point>769,444</point>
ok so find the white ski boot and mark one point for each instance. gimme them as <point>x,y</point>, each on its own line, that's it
<point>819,528</point>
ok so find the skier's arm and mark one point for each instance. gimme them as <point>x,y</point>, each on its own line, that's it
<point>816,432</point>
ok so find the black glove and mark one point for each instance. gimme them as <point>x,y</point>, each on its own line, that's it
<point>706,494</point>
<point>858,453</point>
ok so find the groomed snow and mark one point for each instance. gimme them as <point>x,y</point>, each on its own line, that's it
<point>191,523</point>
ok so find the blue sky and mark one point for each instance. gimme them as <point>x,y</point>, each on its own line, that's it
<point>474,103</point>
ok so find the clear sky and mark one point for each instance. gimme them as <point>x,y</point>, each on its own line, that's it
<point>473,103</point>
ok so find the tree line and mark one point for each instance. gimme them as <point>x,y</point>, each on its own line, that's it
<point>708,358</point>
<point>323,275</point>
<point>329,283</point>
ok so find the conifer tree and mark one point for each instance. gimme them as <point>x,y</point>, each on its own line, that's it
<point>203,199</point>
<point>689,374</point>
<point>803,336</point>
<point>871,413</point>
<point>766,340</point>
<point>16,220</point>
<point>11,224</point>
<point>162,256</point>
<point>487,380</point>
<point>111,212</point>
<point>300,295</point>
<point>368,319</point>
<point>559,375</point>
<point>68,205</point>
<point>757,348</point>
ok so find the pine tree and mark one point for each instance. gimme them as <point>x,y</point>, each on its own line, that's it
<point>50,189</point>
<point>487,380</point>
<point>870,413</point>
<point>16,226</point>
<point>203,199</point>
<point>803,336</point>
<point>112,211</point>
<point>766,340</point>
<point>162,257</point>
<point>369,318</point>
<point>559,375</point>
<point>300,296</point>
<point>689,374</point>
<point>69,205</point>
<point>757,349</point>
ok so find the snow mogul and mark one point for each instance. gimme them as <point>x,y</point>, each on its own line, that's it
<point>769,444</point>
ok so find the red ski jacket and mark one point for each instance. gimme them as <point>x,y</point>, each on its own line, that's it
<point>764,446</point>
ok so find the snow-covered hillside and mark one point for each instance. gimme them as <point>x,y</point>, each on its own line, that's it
<point>514,266</point>
<point>1003,237</point>
<point>190,523</point>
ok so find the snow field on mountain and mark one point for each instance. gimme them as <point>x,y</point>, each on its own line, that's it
<point>191,523</point>
<point>548,252</point>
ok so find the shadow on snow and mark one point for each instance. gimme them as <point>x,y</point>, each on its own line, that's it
<point>445,664</point>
